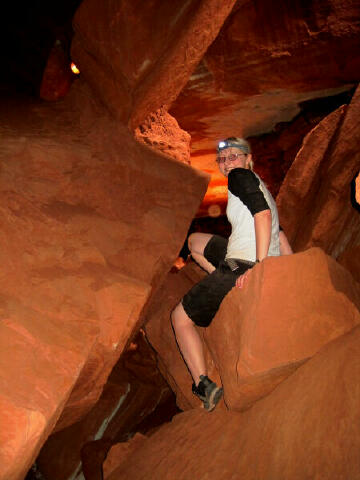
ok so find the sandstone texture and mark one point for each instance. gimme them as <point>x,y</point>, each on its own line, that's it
<point>119,452</point>
<point>314,199</point>
<point>162,133</point>
<point>143,54</point>
<point>306,428</point>
<point>290,307</point>
<point>85,240</point>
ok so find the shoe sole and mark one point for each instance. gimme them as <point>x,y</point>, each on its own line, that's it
<point>213,399</point>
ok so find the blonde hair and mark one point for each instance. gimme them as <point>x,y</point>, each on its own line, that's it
<point>236,142</point>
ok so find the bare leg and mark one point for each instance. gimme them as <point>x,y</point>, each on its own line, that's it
<point>189,342</point>
<point>197,243</point>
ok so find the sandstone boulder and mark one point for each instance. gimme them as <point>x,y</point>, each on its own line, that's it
<point>290,307</point>
<point>306,428</point>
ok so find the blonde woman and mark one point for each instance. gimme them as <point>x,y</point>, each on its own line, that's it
<point>253,215</point>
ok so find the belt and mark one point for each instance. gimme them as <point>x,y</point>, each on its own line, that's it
<point>233,263</point>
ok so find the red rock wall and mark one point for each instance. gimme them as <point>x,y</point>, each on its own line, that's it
<point>314,201</point>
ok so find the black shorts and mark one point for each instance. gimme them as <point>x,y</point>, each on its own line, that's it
<point>203,300</point>
<point>215,250</point>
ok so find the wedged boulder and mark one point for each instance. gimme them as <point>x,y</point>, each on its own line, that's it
<point>306,428</point>
<point>290,307</point>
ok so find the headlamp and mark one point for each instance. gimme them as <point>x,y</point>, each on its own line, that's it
<point>228,144</point>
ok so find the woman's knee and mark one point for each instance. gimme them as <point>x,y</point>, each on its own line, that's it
<point>192,241</point>
<point>198,241</point>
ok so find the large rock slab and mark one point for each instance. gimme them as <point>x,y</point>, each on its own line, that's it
<point>290,307</point>
<point>86,238</point>
<point>306,428</point>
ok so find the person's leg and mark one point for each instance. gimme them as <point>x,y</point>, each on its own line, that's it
<point>189,342</point>
<point>207,250</point>
<point>191,347</point>
<point>197,243</point>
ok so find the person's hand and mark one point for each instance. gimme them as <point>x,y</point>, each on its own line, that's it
<point>240,281</point>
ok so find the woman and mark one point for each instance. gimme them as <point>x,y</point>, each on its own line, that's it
<point>253,215</point>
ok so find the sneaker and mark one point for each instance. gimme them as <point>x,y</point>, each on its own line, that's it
<point>208,392</point>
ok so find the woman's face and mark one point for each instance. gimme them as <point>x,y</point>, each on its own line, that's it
<point>231,158</point>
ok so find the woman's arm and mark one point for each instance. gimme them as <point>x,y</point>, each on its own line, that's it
<point>262,222</point>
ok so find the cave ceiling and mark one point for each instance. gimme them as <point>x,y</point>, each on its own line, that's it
<point>267,61</point>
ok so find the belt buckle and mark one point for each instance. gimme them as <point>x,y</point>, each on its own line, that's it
<point>232,264</point>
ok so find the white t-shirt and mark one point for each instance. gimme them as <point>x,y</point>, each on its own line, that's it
<point>247,195</point>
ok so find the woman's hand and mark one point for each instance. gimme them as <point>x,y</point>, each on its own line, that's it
<point>240,281</point>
